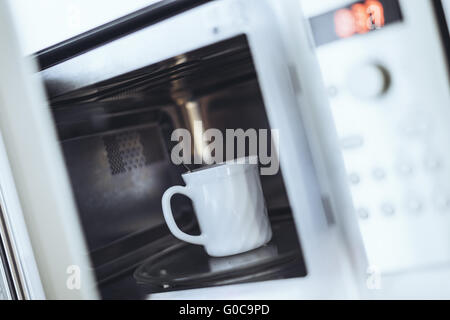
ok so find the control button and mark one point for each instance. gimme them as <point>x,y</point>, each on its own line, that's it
<point>443,203</point>
<point>414,206</point>
<point>416,128</point>
<point>354,178</point>
<point>405,169</point>
<point>432,164</point>
<point>416,123</point>
<point>368,81</point>
<point>352,142</point>
<point>363,214</point>
<point>388,209</point>
<point>379,174</point>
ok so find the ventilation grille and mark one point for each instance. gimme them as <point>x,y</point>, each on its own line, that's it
<point>132,150</point>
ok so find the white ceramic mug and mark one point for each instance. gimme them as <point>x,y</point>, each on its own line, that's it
<point>229,205</point>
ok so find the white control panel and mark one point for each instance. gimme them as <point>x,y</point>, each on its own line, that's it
<point>388,84</point>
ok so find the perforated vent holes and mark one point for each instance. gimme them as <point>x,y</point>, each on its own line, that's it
<point>132,150</point>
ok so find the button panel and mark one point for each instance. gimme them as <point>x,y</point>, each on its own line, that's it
<point>393,178</point>
<point>399,176</point>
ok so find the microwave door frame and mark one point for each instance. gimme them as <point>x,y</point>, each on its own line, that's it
<point>19,265</point>
<point>40,177</point>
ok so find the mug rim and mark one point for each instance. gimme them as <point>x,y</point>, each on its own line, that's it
<point>243,162</point>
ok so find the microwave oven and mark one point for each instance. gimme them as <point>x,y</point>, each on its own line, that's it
<point>87,139</point>
<point>84,151</point>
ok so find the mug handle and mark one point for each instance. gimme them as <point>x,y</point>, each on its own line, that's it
<point>168,215</point>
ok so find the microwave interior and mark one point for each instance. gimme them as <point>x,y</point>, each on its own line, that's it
<point>116,140</point>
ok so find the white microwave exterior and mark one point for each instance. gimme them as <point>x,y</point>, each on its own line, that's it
<point>37,167</point>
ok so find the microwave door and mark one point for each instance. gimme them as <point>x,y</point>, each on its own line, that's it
<point>39,174</point>
<point>19,276</point>
<point>5,288</point>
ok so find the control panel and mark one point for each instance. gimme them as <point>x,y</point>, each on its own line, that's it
<point>385,68</point>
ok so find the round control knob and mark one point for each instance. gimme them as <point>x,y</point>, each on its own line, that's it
<point>368,81</point>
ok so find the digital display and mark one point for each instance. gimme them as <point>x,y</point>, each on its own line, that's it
<point>355,19</point>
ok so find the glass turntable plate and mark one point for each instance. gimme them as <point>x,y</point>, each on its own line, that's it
<point>187,266</point>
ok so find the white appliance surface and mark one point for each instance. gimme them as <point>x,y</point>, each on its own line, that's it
<point>35,168</point>
<point>389,94</point>
<point>44,23</point>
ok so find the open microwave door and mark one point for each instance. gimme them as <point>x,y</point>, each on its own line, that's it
<point>39,174</point>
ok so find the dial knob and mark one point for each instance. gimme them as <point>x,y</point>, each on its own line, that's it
<point>368,81</point>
